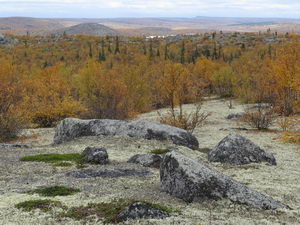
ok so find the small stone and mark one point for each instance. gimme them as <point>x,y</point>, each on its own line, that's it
<point>147,160</point>
<point>234,116</point>
<point>95,155</point>
<point>139,210</point>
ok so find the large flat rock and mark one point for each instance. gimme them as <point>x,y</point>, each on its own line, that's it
<point>71,128</point>
<point>189,180</point>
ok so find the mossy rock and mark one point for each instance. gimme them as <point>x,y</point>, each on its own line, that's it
<point>109,212</point>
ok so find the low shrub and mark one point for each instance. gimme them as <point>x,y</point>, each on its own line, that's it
<point>286,123</point>
<point>186,121</point>
<point>292,133</point>
<point>44,205</point>
<point>259,118</point>
<point>10,126</point>
<point>55,191</point>
<point>291,137</point>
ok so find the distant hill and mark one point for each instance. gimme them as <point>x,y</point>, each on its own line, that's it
<point>88,29</point>
<point>147,31</point>
<point>22,25</point>
<point>143,26</point>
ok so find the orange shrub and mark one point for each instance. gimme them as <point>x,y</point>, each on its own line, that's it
<point>11,114</point>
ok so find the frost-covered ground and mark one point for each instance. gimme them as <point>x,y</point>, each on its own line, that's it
<point>280,182</point>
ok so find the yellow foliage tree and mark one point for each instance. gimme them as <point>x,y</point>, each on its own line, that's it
<point>286,72</point>
<point>103,92</point>
<point>11,114</point>
<point>48,97</point>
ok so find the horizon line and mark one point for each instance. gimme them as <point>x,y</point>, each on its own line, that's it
<point>155,17</point>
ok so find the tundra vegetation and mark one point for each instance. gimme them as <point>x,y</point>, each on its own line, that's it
<point>45,79</point>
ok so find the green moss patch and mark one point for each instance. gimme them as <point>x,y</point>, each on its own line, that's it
<point>107,211</point>
<point>55,191</point>
<point>160,151</point>
<point>44,205</point>
<point>52,158</point>
<point>59,160</point>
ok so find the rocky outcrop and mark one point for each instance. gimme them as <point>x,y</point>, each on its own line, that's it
<point>108,173</point>
<point>5,40</point>
<point>95,155</point>
<point>189,180</point>
<point>71,128</point>
<point>147,160</point>
<point>238,150</point>
<point>14,146</point>
<point>140,210</point>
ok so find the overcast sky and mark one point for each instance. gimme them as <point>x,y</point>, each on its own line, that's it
<point>150,8</point>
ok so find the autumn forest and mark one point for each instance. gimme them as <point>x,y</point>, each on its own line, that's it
<point>46,79</point>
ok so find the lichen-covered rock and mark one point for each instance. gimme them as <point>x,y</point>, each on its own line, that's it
<point>108,173</point>
<point>238,150</point>
<point>71,128</point>
<point>189,180</point>
<point>14,146</point>
<point>147,160</point>
<point>139,210</point>
<point>95,155</point>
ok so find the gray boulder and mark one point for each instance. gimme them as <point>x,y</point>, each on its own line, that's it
<point>139,210</point>
<point>189,180</point>
<point>147,160</point>
<point>238,150</point>
<point>95,155</point>
<point>71,128</point>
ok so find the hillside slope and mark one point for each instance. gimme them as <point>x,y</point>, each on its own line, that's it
<point>88,29</point>
<point>22,25</point>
